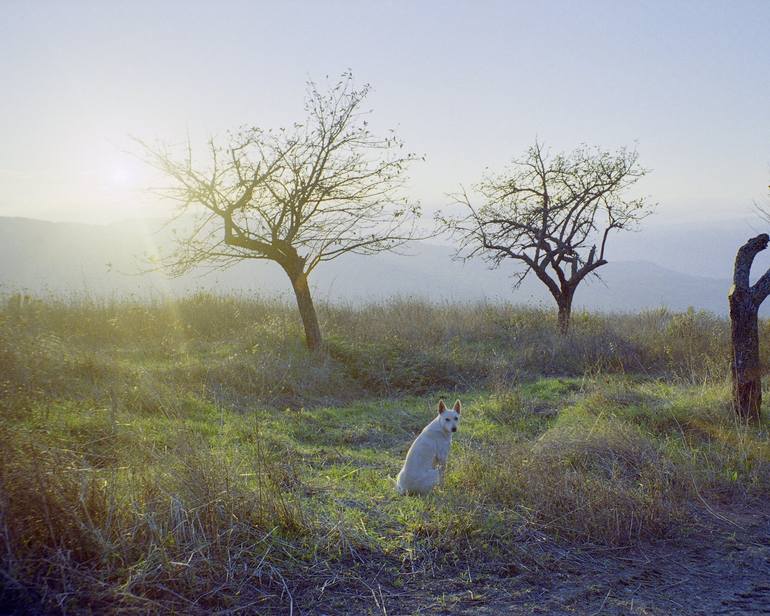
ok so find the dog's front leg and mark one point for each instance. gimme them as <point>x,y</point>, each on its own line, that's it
<point>441,466</point>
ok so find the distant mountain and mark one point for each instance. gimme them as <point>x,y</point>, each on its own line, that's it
<point>701,248</point>
<point>654,268</point>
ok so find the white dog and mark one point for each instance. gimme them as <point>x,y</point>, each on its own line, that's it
<point>426,460</point>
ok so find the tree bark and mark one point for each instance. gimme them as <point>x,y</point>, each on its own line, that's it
<point>565,312</point>
<point>307,311</point>
<point>744,301</point>
<point>746,371</point>
<point>564,301</point>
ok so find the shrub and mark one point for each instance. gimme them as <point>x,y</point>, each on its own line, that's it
<point>605,484</point>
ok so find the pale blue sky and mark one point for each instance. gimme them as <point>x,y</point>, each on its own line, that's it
<point>469,84</point>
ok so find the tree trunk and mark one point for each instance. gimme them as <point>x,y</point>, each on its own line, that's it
<point>307,311</point>
<point>564,301</point>
<point>744,303</point>
<point>746,371</point>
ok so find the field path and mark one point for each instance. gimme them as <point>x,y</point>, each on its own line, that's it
<point>722,567</point>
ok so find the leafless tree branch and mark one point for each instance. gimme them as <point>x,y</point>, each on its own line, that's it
<point>551,214</point>
<point>298,196</point>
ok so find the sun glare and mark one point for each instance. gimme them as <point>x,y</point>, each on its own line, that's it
<point>121,176</point>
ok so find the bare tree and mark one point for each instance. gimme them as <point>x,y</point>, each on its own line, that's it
<point>744,300</point>
<point>298,196</point>
<point>551,215</point>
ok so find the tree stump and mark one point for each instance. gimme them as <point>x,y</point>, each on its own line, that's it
<point>744,301</point>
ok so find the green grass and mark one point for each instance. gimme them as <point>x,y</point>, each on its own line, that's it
<point>146,468</point>
<point>148,510</point>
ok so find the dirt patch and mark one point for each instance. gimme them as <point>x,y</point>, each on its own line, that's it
<point>721,566</point>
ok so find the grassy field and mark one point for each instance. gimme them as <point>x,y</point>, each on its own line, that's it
<point>190,457</point>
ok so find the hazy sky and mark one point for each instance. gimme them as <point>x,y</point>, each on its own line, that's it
<point>469,84</point>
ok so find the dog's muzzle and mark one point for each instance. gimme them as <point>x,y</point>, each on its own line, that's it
<point>454,429</point>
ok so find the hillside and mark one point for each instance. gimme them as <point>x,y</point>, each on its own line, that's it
<point>191,457</point>
<point>675,267</point>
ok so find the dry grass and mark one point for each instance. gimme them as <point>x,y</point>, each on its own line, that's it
<point>192,457</point>
<point>253,349</point>
<point>611,486</point>
<point>603,482</point>
<point>144,528</point>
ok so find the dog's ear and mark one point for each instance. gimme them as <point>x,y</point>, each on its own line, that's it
<point>457,407</point>
<point>441,407</point>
